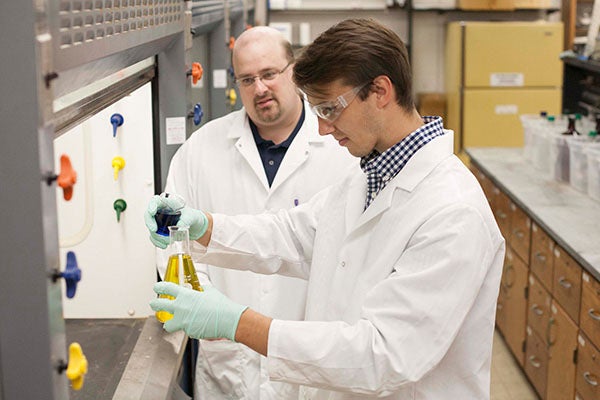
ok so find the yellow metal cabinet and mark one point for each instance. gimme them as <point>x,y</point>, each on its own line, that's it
<point>491,116</point>
<point>496,71</point>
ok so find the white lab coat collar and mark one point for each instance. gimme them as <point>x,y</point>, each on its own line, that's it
<point>415,170</point>
<point>295,156</point>
<point>309,120</point>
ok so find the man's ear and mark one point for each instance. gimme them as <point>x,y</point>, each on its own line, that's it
<point>384,90</point>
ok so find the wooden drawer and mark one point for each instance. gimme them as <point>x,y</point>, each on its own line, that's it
<point>566,287</point>
<point>536,362</point>
<point>540,262</point>
<point>514,283</point>
<point>501,209</point>
<point>501,303</point>
<point>561,339</point>
<point>589,318</point>
<point>538,310</point>
<point>520,232</point>
<point>587,381</point>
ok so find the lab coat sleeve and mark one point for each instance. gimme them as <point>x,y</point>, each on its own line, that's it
<point>268,243</point>
<point>408,320</point>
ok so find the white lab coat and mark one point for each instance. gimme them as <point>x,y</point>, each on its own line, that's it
<point>219,169</point>
<point>401,297</point>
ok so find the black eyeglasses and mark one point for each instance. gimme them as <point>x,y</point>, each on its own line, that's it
<point>266,76</point>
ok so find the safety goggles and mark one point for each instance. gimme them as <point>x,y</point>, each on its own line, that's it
<point>331,110</point>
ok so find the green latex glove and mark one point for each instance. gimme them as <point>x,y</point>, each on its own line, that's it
<point>195,220</point>
<point>202,315</point>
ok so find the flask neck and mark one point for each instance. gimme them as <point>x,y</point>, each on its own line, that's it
<point>179,240</point>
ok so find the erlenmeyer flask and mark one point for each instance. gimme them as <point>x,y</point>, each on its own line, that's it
<point>168,212</point>
<point>180,267</point>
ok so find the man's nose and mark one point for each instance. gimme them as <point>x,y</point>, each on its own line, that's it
<point>259,86</point>
<point>325,127</point>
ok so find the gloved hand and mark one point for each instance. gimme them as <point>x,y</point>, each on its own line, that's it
<point>195,220</point>
<point>202,315</point>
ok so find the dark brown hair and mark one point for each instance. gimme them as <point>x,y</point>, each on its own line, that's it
<point>356,51</point>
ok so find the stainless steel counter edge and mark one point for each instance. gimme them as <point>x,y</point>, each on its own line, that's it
<point>151,372</point>
<point>571,218</point>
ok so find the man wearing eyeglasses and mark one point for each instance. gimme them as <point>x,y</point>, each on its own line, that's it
<point>264,157</point>
<point>403,259</point>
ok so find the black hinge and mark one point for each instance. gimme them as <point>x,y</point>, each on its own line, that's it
<point>524,346</point>
<point>575,355</point>
<point>526,292</point>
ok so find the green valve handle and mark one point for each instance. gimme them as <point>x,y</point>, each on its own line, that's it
<point>119,205</point>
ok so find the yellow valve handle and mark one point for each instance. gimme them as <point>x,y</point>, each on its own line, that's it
<point>118,163</point>
<point>232,96</point>
<point>78,366</point>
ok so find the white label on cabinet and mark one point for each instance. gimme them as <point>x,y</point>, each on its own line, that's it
<point>506,109</point>
<point>581,340</point>
<point>219,78</point>
<point>175,130</point>
<point>507,79</point>
<point>554,309</point>
<point>585,277</point>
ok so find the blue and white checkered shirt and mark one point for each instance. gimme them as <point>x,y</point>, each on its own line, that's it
<point>381,168</point>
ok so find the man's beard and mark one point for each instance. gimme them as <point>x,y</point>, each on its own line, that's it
<point>269,114</point>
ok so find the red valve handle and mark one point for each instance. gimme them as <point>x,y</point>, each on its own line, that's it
<point>197,72</point>
<point>67,177</point>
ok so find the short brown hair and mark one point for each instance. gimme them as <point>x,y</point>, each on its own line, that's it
<point>356,51</point>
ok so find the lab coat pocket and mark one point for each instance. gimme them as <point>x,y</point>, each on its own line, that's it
<point>219,370</point>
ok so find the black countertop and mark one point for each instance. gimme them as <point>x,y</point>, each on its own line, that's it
<point>107,344</point>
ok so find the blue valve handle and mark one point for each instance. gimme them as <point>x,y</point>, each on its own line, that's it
<point>198,114</point>
<point>231,72</point>
<point>72,274</point>
<point>116,120</point>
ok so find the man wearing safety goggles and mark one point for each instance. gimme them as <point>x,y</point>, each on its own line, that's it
<point>403,261</point>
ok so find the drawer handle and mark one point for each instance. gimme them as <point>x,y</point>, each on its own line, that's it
<point>590,378</point>
<point>594,314</point>
<point>508,284</point>
<point>549,333</point>
<point>537,310</point>
<point>564,282</point>
<point>519,233</point>
<point>536,364</point>
<point>540,257</point>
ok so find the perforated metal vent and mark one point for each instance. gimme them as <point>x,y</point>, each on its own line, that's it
<point>105,25</point>
<point>86,20</point>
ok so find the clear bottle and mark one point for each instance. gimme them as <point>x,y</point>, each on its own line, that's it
<point>180,267</point>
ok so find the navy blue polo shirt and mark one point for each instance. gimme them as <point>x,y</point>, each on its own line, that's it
<point>272,154</point>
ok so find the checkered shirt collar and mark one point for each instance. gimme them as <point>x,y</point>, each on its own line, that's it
<point>381,168</point>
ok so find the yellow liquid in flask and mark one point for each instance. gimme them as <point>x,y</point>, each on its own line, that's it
<point>172,275</point>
